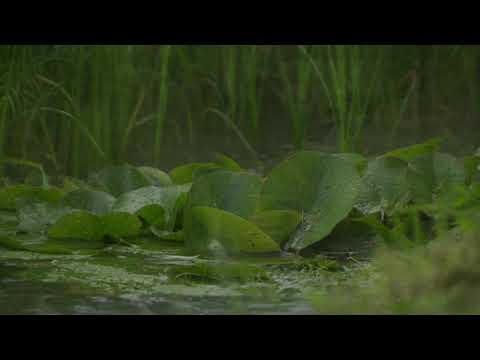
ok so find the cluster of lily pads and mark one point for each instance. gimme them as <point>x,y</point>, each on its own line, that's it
<point>219,208</point>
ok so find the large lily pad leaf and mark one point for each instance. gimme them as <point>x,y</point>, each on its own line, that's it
<point>279,225</point>
<point>90,227</point>
<point>212,229</point>
<point>153,215</point>
<point>134,203</point>
<point>97,202</point>
<point>120,225</point>
<point>322,186</point>
<point>412,152</point>
<point>235,192</point>
<point>39,243</point>
<point>11,194</point>
<point>156,176</point>
<point>186,174</point>
<point>78,225</point>
<point>384,186</point>
<point>432,173</point>
<point>38,217</point>
<point>117,180</point>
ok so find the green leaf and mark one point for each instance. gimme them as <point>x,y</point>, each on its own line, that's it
<point>178,236</point>
<point>433,173</point>
<point>392,237</point>
<point>384,186</point>
<point>97,202</point>
<point>39,243</point>
<point>156,176</point>
<point>78,225</point>
<point>90,227</point>
<point>153,215</point>
<point>211,229</point>
<point>322,186</point>
<point>117,180</point>
<point>279,225</point>
<point>11,194</point>
<point>166,198</point>
<point>37,217</point>
<point>119,225</point>
<point>227,163</point>
<point>185,174</point>
<point>235,192</point>
<point>412,152</point>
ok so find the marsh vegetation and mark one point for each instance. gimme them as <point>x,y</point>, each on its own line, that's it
<point>239,179</point>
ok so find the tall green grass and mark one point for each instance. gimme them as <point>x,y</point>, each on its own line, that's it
<point>79,107</point>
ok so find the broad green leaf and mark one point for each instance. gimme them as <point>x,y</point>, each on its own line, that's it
<point>119,225</point>
<point>412,152</point>
<point>235,192</point>
<point>227,163</point>
<point>37,217</point>
<point>209,229</point>
<point>185,174</point>
<point>392,237</point>
<point>88,226</point>
<point>117,180</point>
<point>156,176</point>
<point>78,225</point>
<point>432,173</point>
<point>360,162</point>
<point>178,236</point>
<point>166,197</point>
<point>42,244</point>
<point>384,186</point>
<point>324,187</point>
<point>279,225</point>
<point>153,215</point>
<point>97,202</point>
<point>9,195</point>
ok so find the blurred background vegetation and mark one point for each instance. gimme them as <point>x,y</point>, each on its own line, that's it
<point>76,108</point>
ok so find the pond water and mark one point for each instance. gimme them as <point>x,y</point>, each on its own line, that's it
<point>133,281</point>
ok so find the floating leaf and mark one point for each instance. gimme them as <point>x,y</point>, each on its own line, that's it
<point>78,225</point>
<point>117,180</point>
<point>156,176</point>
<point>323,186</point>
<point>42,244</point>
<point>166,197</point>
<point>432,173</point>
<point>185,174</point>
<point>279,225</point>
<point>235,192</point>
<point>97,202</point>
<point>227,163</point>
<point>37,217</point>
<point>153,215</point>
<point>119,225</point>
<point>412,152</point>
<point>392,237</point>
<point>87,226</point>
<point>178,236</point>
<point>11,194</point>
<point>209,227</point>
<point>384,186</point>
